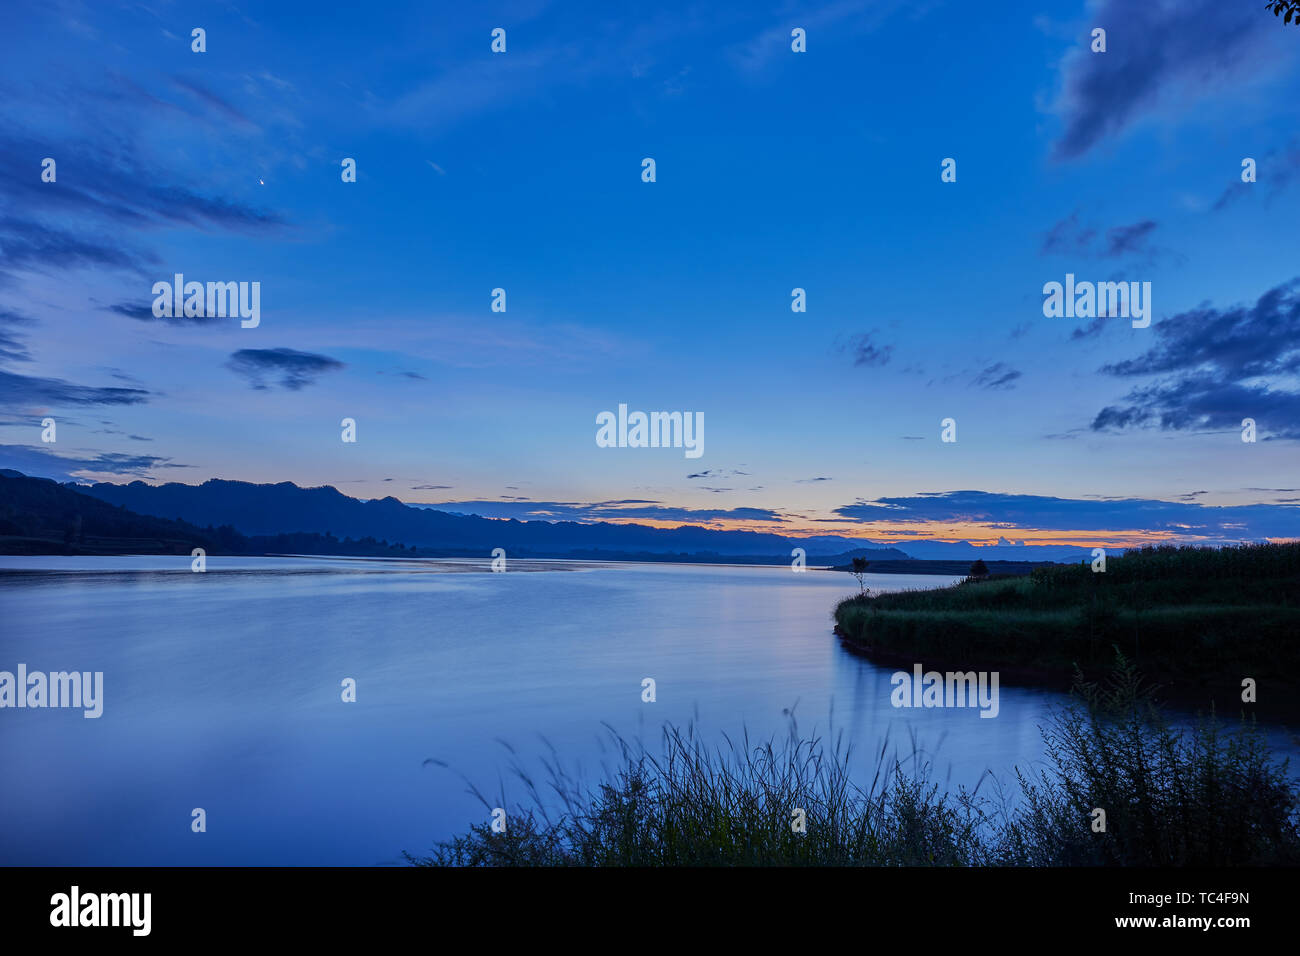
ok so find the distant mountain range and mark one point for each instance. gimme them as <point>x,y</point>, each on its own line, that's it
<point>262,511</point>
<point>284,508</point>
<point>41,516</point>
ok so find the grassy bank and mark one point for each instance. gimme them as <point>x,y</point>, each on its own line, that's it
<point>1203,796</point>
<point>1195,619</point>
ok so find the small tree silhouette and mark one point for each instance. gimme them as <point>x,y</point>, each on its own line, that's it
<point>979,569</point>
<point>860,572</point>
<point>1290,7</point>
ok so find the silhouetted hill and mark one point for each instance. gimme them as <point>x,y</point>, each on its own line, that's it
<point>40,516</point>
<point>286,508</point>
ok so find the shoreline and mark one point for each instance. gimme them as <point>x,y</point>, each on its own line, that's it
<point>1192,701</point>
<point>1014,673</point>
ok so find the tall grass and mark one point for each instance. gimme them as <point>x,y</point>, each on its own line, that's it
<point>1206,795</point>
<point>1203,795</point>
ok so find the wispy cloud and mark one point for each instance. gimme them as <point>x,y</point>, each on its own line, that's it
<point>719,473</point>
<point>213,101</point>
<point>292,369</point>
<point>1036,512</point>
<point>867,350</point>
<point>1070,237</point>
<point>621,510</point>
<point>43,463</point>
<point>999,375</point>
<point>1276,169</point>
<point>820,23</point>
<point>1221,365</point>
<point>144,313</point>
<point>112,183</point>
<point>21,392</point>
<point>1160,53</point>
<point>12,345</point>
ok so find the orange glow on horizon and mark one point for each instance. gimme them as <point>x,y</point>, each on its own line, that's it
<point>883,534</point>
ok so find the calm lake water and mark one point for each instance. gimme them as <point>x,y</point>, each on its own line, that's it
<point>222,691</point>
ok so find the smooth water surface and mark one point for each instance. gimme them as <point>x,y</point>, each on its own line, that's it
<point>222,690</point>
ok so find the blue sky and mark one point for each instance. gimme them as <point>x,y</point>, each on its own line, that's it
<point>775,170</point>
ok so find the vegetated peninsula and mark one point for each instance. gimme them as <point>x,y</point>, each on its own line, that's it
<point>1201,621</point>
